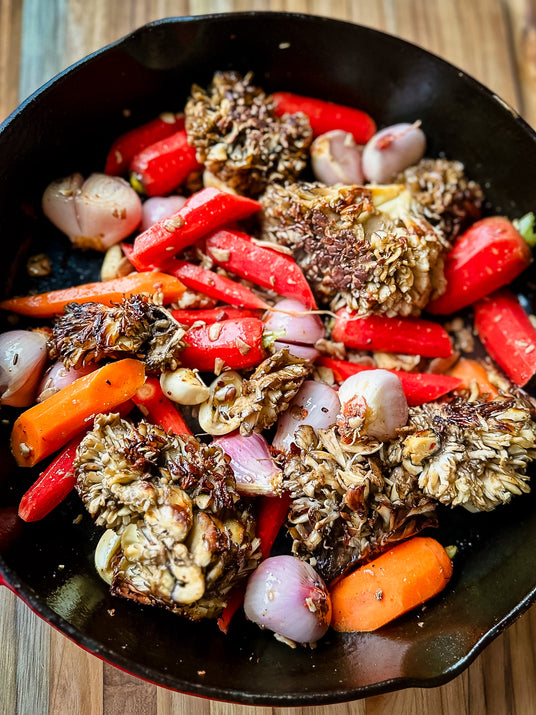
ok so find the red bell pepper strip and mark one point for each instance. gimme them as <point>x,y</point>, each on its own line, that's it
<point>419,387</point>
<point>489,255</point>
<point>325,116</point>
<point>133,141</point>
<point>204,212</point>
<point>164,165</point>
<point>238,343</point>
<point>410,336</point>
<point>271,515</point>
<point>507,334</point>
<point>214,285</point>
<point>267,268</point>
<point>213,315</point>
<point>53,485</point>
<point>158,408</point>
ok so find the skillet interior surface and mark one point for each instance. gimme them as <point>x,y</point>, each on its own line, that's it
<point>68,126</point>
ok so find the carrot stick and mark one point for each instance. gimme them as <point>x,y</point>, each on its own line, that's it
<point>46,305</point>
<point>49,425</point>
<point>394,583</point>
<point>468,370</point>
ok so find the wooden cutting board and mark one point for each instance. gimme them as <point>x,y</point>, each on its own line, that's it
<point>41,671</point>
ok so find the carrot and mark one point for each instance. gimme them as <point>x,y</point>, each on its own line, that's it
<point>468,370</point>
<point>49,425</point>
<point>394,583</point>
<point>46,305</point>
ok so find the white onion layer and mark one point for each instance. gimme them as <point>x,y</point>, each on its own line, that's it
<point>303,329</point>
<point>287,596</point>
<point>255,471</point>
<point>23,356</point>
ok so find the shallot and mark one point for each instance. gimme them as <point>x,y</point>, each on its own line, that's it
<point>291,321</point>
<point>336,158</point>
<point>305,352</point>
<point>158,207</point>
<point>287,596</point>
<point>316,404</point>
<point>58,376</point>
<point>94,213</point>
<point>373,402</point>
<point>391,150</point>
<point>255,471</point>
<point>23,356</point>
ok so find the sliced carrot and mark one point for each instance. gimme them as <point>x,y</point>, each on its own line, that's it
<point>49,425</point>
<point>46,305</point>
<point>468,370</point>
<point>394,583</point>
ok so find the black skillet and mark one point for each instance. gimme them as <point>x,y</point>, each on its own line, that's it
<point>68,126</point>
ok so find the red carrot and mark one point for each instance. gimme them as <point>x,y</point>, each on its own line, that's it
<point>267,268</point>
<point>204,212</point>
<point>393,584</point>
<point>410,336</point>
<point>133,141</point>
<point>238,343</point>
<point>164,165</point>
<point>325,116</point>
<point>489,255</point>
<point>213,315</point>
<point>158,408</point>
<point>507,334</point>
<point>214,285</point>
<point>419,387</point>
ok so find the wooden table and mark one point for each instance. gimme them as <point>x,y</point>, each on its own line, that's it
<point>494,40</point>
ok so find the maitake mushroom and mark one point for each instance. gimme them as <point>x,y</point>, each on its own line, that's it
<point>366,247</point>
<point>90,332</point>
<point>238,138</point>
<point>473,454</point>
<point>183,537</point>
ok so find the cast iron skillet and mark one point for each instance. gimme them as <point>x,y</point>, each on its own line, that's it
<point>68,126</point>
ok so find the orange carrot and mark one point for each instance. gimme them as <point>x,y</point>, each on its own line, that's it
<point>49,425</point>
<point>394,583</point>
<point>468,370</point>
<point>46,305</point>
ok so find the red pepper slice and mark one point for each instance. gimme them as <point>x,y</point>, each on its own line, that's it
<point>158,408</point>
<point>214,285</point>
<point>204,212</point>
<point>267,268</point>
<point>133,141</point>
<point>213,315</point>
<point>410,336</point>
<point>237,342</point>
<point>164,165</point>
<point>507,334</point>
<point>325,116</point>
<point>419,387</point>
<point>489,255</point>
<point>271,515</point>
<point>53,485</point>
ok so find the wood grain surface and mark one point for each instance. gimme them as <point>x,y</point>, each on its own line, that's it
<point>41,671</point>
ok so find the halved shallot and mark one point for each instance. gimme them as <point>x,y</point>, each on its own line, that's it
<point>255,471</point>
<point>23,356</point>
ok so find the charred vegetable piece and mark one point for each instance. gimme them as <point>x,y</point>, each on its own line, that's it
<point>366,247</point>
<point>393,584</point>
<point>489,255</point>
<point>449,200</point>
<point>473,454</point>
<point>47,305</point>
<point>507,334</point>
<point>49,425</point>
<point>324,116</point>
<point>204,212</point>
<point>185,537</point>
<point>408,335</point>
<point>91,332</point>
<point>238,137</point>
<point>163,166</point>
<point>236,253</point>
<point>133,141</point>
